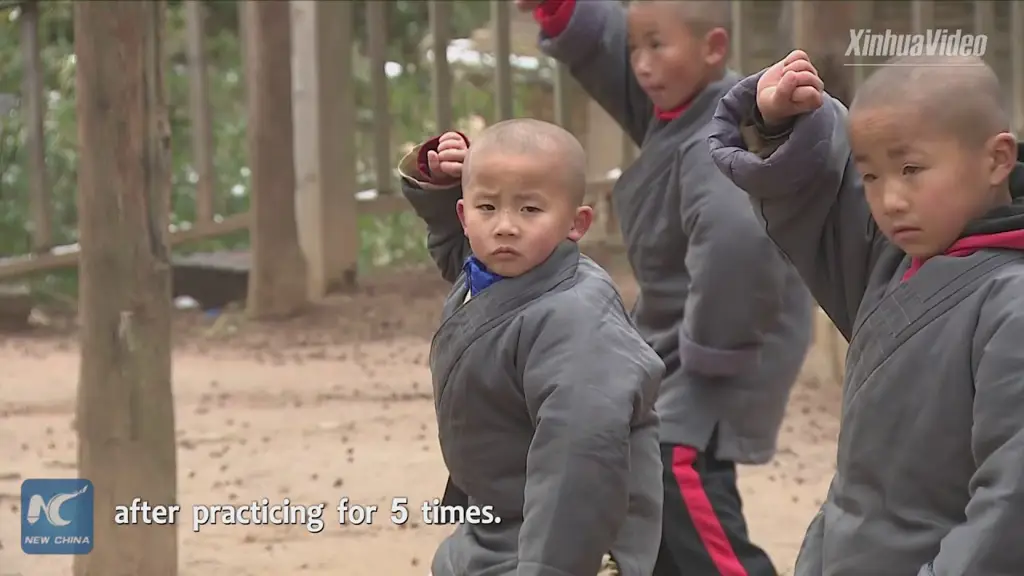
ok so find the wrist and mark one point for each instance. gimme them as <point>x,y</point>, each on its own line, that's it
<point>445,180</point>
<point>770,127</point>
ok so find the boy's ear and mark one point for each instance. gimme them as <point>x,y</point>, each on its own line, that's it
<point>1003,153</point>
<point>716,47</point>
<point>460,209</point>
<point>581,223</point>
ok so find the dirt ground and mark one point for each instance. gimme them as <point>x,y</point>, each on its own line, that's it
<point>335,404</point>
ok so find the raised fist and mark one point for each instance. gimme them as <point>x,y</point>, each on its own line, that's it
<point>789,88</point>
<point>445,163</point>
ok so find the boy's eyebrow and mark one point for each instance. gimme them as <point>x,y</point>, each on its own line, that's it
<point>895,153</point>
<point>522,195</point>
<point>483,193</point>
<point>898,151</point>
<point>528,191</point>
<point>530,195</point>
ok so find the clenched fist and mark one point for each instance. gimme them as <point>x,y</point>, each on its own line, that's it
<point>789,88</point>
<point>445,163</point>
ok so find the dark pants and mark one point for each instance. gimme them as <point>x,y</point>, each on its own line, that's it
<point>703,530</point>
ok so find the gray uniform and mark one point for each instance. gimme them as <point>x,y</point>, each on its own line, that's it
<point>719,304</point>
<point>930,475</point>
<point>545,396</point>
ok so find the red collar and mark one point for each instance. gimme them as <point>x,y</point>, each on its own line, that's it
<point>669,115</point>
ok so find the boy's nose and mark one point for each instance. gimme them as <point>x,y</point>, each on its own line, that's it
<point>641,69</point>
<point>506,225</point>
<point>894,201</point>
<point>642,66</point>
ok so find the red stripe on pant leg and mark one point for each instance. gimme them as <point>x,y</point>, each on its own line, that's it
<point>703,515</point>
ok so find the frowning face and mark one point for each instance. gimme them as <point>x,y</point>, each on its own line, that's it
<point>515,210</point>
<point>923,185</point>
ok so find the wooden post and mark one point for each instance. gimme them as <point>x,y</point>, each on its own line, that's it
<point>822,30</point>
<point>796,15</point>
<point>736,31</point>
<point>199,110</point>
<point>501,22</point>
<point>984,17</point>
<point>34,111</point>
<point>604,141</point>
<point>862,15</point>
<point>564,97</point>
<point>1017,66</point>
<point>922,15</point>
<point>325,145</point>
<point>440,27</point>
<point>125,412</point>
<point>377,26</point>
<point>277,278</point>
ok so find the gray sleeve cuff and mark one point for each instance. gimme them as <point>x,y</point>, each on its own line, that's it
<point>716,362</point>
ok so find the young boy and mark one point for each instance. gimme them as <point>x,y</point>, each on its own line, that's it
<point>717,301</point>
<point>910,233</point>
<point>543,389</point>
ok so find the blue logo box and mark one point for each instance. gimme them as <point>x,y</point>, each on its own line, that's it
<point>56,516</point>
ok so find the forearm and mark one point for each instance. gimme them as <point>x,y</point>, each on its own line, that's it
<point>591,38</point>
<point>436,205</point>
<point>807,193</point>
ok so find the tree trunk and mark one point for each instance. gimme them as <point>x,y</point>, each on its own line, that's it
<point>277,278</point>
<point>125,413</point>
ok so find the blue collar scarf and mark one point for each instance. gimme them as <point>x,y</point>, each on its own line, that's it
<point>478,276</point>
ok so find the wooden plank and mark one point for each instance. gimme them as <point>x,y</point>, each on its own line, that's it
<point>503,95</point>
<point>598,192</point>
<point>277,285</point>
<point>33,112</point>
<point>325,146</point>
<point>376,24</point>
<point>67,256</point>
<point>200,116</point>
<point>125,415</point>
<point>440,33</point>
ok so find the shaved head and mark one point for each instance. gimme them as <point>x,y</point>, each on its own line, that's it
<point>529,137</point>
<point>701,16</point>
<point>958,94</point>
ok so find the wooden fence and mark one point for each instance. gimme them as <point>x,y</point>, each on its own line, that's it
<point>324,119</point>
<point>319,38</point>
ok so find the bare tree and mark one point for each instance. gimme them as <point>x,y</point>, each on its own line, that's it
<point>125,414</point>
<point>277,280</point>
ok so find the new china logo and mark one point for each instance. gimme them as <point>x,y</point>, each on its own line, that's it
<point>56,516</point>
